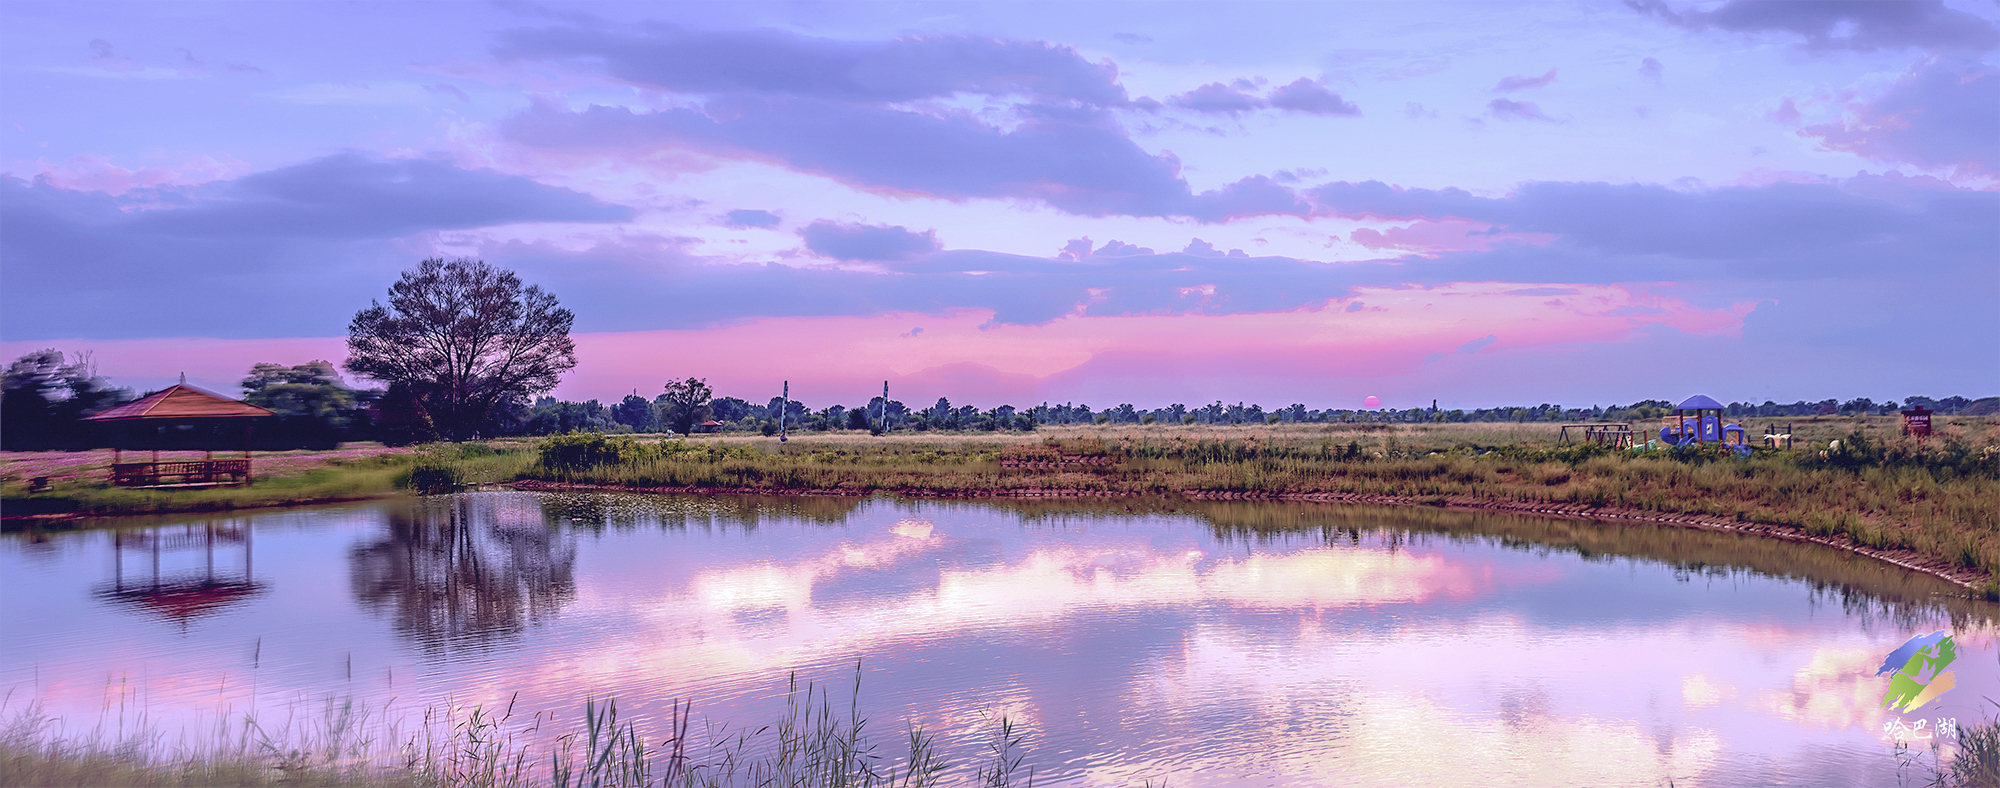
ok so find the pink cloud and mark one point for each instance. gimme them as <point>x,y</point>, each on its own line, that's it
<point>1939,116</point>
<point>1450,235</point>
<point>1145,359</point>
<point>1312,355</point>
<point>1787,113</point>
<point>98,173</point>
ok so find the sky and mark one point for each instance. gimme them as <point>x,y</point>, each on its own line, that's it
<point>1479,204</point>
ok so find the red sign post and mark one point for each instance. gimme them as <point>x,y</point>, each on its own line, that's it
<point>1917,422</point>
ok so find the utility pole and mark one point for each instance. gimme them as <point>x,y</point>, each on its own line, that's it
<point>785,404</point>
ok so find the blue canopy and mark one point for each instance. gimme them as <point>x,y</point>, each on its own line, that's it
<point>1700,402</point>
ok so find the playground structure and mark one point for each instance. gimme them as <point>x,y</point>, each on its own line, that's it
<point>1616,434</point>
<point>1698,420</point>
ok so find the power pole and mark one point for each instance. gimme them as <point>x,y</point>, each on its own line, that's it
<point>785,404</point>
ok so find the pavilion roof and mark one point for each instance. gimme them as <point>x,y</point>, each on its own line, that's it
<point>1700,402</point>
<point>182,401</point>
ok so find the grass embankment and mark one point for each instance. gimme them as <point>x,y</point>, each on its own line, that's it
<point>80,488</point>
<point>812,745</point>
<point>1931,505</point>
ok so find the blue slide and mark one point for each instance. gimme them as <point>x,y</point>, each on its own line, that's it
<point>1709,428</point>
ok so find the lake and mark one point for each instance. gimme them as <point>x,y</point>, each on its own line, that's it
<point>1203,644</point>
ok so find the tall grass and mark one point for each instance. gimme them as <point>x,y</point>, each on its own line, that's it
<point>1978,759</point>
<point>1937,499</point>
<point>814,744</point>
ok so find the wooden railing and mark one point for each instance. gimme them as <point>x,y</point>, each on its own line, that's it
<point>148,474</point>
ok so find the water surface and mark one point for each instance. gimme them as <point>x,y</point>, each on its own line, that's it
<point>1218,644</point>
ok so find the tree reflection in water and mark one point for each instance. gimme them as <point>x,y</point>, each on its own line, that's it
<point>466,571</point>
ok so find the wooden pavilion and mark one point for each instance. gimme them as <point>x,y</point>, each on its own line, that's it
<point>180,406</point>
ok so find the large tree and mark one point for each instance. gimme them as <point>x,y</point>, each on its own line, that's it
<point>685,404</point>
<point>466,340</point>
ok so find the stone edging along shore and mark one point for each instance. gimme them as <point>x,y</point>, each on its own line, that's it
<point>1906,559</point>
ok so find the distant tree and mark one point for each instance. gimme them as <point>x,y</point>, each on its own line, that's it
<point>313,389</point>
<point>550,416</point>
<point>315,407</point>
<point>637,413</point>
<point>794,411</point>
<point>685,404</point>
<point>467,340</point>
<point>728,409</point>
<point>939,415</point>
<point>44,397</point>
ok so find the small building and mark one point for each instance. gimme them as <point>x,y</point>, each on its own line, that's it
<point>156,420</point>
<point>710,426</point>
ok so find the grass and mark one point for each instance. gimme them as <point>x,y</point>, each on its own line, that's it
<point>1978,760</point>
<point>282,479</point>
<point>1932,502</point>
<point>814,744</point>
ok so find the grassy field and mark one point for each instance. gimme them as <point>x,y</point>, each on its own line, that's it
<point>78,484</point>
<point>1931,505</point>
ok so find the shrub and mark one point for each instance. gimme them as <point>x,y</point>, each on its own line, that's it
<point>580,450</point>
<point>431,477</point>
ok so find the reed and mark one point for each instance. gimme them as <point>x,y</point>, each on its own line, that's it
<point>1978,759</point>
<point>814,744</point>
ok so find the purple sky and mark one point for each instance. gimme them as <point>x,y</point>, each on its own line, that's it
<point>1481,203</point>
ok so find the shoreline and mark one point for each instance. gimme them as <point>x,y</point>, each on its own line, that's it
<point>14,522</point>
<point>1051,489</point>
<point>1906,559</point>
<point>1909,560</point>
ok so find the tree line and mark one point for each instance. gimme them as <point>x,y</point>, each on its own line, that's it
<point>46,395</point>
<point>466,350</point>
